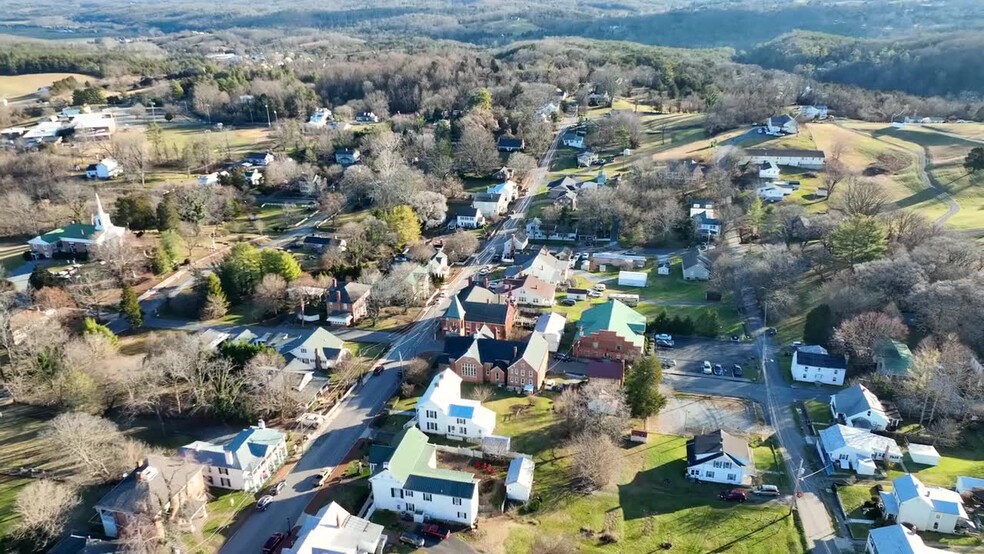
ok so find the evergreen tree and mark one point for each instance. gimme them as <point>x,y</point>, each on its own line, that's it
<point>161,262</point>
<point>41,277</point>
<point>642,387</point>
<point>130,306</point>
<point>167,213</point>
<point>859,240</point>
<point>89,326</point>
<point>240,271</point>
<point>214,301</point>
<point>819,326</point>
<point>708,323</point>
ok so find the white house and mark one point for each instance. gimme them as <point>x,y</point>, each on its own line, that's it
<point>407,480</point>
<point>793,157</point>
<point>367,117</point>
<point>587,159</point>
<point>897,539</point>
<point>438,265</point>
<point>706,226</point>
<point>319,118</point>
<point>810,367</point>
<point>695,266</point>
<point>519,479</point>
<point>507,188</point>
<point>773,193</point>
<point>315,349</point>
<point>529,290</point>
<point>334,529</point>
<point>814,112</point>
<point>245,462</point>
<point>719,457</point>
<point>491,205</point>
<point>632,278</point>
<point>543,265</point>
<point>107,168</point>
<point>551,326</point>
<point>856,449</point>
<point>573,140</point>
<point>926,508</point>
<point>465,217</point>
<point>769,170</point>
<point>781,125</point>
<point>857,406</point>
<point>442,411</point>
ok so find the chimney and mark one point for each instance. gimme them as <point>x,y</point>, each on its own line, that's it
<point>515,352</point>
<point>338,296</point>
<point>261,424</point>
<point>229,457</point>
<point>334,283</point>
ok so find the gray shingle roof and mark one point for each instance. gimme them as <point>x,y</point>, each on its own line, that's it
<point>144,491</point>
<point>814,359</point>
<point>435,485</point>
<point>703,447</point>
<point>853,400</point>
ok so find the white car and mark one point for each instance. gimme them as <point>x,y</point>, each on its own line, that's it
<point>529,389</point>
<point>707,368</point>
<point>594,294</point>
<point>549,384</point>
<point>599,287</point>
<point>264,503</point>
<point>663,336</point>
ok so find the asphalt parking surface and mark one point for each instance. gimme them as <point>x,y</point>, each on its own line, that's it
<point>690,354</point>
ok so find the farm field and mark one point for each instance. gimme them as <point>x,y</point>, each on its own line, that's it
<point>13,86</point>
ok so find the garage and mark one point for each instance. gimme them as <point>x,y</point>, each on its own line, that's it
<point>924,454</point>
<point>632,278</point>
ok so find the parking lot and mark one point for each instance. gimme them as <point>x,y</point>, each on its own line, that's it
<point>690,354</point>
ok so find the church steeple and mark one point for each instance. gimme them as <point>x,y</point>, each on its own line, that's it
<point>101,219</point>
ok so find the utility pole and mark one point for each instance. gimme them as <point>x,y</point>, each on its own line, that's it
<point>267,106</point>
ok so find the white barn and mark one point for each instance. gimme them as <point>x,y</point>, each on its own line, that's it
<point>519,479</point>
<point>442,411</point>
<point>551,326</point>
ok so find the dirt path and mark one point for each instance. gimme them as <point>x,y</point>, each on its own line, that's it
<point>952,207</point>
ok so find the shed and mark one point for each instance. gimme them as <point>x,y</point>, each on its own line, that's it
<point>866,466</point>
<point>632,278</point>
<point>924,454</point>
<point>519,479</point>
<point>639,435</point>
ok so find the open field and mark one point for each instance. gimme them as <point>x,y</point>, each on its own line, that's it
<point>13,86</point>
<point>972,131</point>
<point>228,142</point>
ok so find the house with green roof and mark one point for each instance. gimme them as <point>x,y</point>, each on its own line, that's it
<point>893,358</point>
<point>610,331</point>
<point>406,480</point>
<point>76,239</point>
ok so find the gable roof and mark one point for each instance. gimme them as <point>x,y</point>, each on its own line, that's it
<point>499,353</point>
<point>487,197</point>
<point>74,231</point>
<point>616,317</point>
<point>692,258</point>
<point>898,539</point>
<point>840,436</point>
<point>462,210</point>
<point>248,448</point>
<point>780,120</point>
<point>520,471</point>
<point>908,487</point>
<point>702,448</point>
<point>605,369</point>
<point>348,292</point>
<point>783,152</point>
<point>855,400</point>
<point>149,488</point>
<point>533,286</point>
<point>510,142</point>
<point>814,359</point>
<point>550,323</point>
<point>410,464</point>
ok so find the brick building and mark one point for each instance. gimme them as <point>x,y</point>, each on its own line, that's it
<point>611,331</point>
<point>500,362</point>
<point>347,302</point>
<point>477,309</point>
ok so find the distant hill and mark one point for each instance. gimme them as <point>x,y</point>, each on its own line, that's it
<point>929,65</point>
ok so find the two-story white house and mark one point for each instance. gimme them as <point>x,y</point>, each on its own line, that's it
<point>926,508</point>
<point>719,457</point>
<point>439,266</point>
<point>508,188</point>
<point>857,406</point>
<point>406,480</point>
<point>813,367</point>
<point>491,205</point>
<point>856,449</point>
<point>442,410</point>
<point>245,462</point>
<point>529,290</point>
<point>315,349</point>
<point>462,216</point>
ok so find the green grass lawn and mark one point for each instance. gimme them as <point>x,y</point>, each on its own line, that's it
<point>819,411</point>
<point>967,459</point>
<point>368,350</point>
<point>853,497</point>
<point>767,459</point>
<point>222,510</point>
<point>653,504</point>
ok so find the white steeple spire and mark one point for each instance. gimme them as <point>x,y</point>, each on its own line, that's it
<point>101,218</point>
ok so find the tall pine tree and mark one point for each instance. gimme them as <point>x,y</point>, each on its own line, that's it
<point>130,306</point>
<point>642,387</point>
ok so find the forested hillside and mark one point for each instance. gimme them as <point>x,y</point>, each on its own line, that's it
<point>928,65</point>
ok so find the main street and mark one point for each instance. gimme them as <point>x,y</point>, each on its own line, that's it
<point>352,417</point>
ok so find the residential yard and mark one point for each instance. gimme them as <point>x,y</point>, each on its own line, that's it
<point>270,219</point>
<point>853,497</point>
<point>819,412</point>
<point>967,459</point>
<point>222,511</point>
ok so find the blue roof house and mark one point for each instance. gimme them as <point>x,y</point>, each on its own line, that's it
<point>243,463</point>
<point>925,508</point>
<point>442,411</point>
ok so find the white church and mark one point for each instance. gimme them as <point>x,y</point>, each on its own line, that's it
<point>77,238</point>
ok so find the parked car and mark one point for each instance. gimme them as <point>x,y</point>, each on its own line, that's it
<point>718,370</point>
<point>549,384</point>
<point>264,502</point>
<point>771,331</point>
<point>568,302</point>
<point>735,338</point>
<point>273,543</point>
<point>737,370</point>
<point>594,294</point>
<point>275,489</point>
<point>561,357</point>
<point>529,389</point>
<point>663,336</point>
<point>600,287</point>
<point>667,362</point>
<point>412,539</point>
<point>320,478</point>
<point>733,495</point>
<point>707,368</point>
<point>766,490</point>
<point>664,343</point>
<point>437,531</point>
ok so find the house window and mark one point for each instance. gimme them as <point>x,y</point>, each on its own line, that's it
<point>843,457</point>
<point>225,482</point>
<point>408,494</point>
<point>461,421</point>
<point>411,508</point>
<point>432,414</point>
<point>431,426</point>
<point>462,515</point>
<point>469,370</point>
<point>456,501</point>
<point>594,345</point>
<point>463,430</point>
<point>522,373</point>
<point>210,480</point>
<point>732,477</point>
<point>450,428</point>
<point>709,474</point>
<point>223,471</point>
<point>428,497</point>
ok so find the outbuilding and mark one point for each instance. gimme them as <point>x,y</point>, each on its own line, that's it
<point>519,479</point>
<point>632,278</point>
<point>924,454</point>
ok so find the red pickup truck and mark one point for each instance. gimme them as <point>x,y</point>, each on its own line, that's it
<point>436,531</point>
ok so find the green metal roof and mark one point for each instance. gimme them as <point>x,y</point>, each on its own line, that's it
<point>76,231</point>
<point>412,456</point>
<point>896,358</point>
<point>617,317</point>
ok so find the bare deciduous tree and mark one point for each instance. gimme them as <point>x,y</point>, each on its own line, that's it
<point>122,257</point>
<point>859,335</point>
<point>861,197</point>
<point>482,393</point>
<point>94,447</point>
<point>553,544</point>
<point>43,508</point>
<point>460,245</point>
<point>271,293</point>
<point>593,465</point>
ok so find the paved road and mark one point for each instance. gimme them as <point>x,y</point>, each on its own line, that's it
<point>354,414</point>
